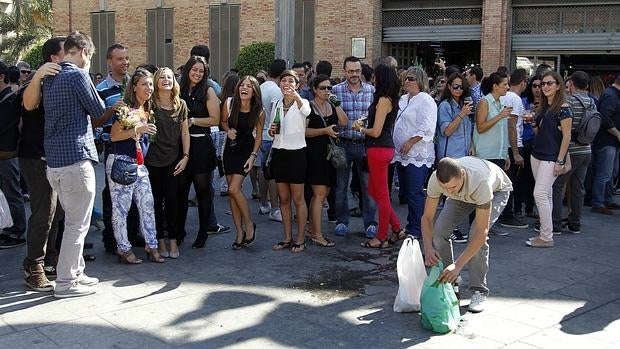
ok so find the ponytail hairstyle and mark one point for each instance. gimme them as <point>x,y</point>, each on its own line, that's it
<point>494,79</point>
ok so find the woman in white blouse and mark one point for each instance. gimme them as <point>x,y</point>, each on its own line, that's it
<point>288,159</point>
<point>413,138</point>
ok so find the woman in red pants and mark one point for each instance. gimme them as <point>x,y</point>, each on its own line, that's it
<point>380,150</point>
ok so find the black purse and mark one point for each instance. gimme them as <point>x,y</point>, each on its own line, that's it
<point>124,169</point>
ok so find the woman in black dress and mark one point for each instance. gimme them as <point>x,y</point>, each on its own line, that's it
<point>243,117</point>
<point>204,112</point>
<point>321,175</point>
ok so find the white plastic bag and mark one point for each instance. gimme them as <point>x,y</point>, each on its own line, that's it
<point>411,275</point>
<point>5,215</point>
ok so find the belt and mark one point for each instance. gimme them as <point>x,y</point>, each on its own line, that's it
<point>353,140</point>
<point>196,135</point>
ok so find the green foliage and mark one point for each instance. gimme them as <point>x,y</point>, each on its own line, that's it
<point>26,25</point>
<point>34,56</point>
<point>255,57</point>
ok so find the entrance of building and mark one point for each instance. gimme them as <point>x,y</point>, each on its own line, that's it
<point>460,53</point>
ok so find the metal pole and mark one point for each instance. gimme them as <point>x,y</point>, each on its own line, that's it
<point>285,30</point>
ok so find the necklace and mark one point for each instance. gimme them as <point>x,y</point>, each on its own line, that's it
<point>287,106</point>
<point>321,109</point>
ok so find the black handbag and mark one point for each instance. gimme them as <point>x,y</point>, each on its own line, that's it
<point>335,154</point>
<point>124,169</point>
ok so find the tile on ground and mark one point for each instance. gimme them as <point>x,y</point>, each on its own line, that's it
<point>80,331</point>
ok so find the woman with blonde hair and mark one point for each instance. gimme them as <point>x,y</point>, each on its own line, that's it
<point>129,135</point>
<point>168,157</point>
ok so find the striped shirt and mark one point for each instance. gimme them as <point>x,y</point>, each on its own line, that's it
<point>576,148</point>
<point>70,100</point>
<point>354,104</point>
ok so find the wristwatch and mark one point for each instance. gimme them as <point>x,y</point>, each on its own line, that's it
<point>561,162</point>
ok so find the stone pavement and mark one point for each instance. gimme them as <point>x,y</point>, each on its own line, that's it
<point>563,297</point>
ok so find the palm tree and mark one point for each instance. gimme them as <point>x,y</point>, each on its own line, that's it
<point>27,24</point>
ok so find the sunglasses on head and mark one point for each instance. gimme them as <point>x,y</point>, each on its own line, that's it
<point>25,71</point>
<point>323,88</point>
<point>457,87</point>
<point>411,78</point>
<point>548,83</point>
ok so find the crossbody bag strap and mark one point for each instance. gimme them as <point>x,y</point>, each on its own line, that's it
<point>322,119</point>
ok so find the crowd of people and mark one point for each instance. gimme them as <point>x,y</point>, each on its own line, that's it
<point>482,148</point>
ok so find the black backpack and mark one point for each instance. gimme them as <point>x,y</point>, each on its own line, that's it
<point>10,113</point>
<point>590,123</point>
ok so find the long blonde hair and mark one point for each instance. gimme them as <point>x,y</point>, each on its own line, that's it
<point>176,91</point>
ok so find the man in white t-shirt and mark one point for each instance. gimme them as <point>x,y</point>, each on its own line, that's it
<point>470,184</point>
<point>518,81</point>
<point>270,95</point>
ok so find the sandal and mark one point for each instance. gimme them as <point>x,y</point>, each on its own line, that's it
<point>298,248</point>
<point>282,245</point>
<point>327,243</point>
<point>383,244</point>
<point>128,258</point>
<point>237,245</point>
<point>397,236</point>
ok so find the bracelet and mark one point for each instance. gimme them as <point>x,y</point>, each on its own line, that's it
<point>254,153</point>
<point>186,155</point>
<point>459,116</point>
<point>361,130</point>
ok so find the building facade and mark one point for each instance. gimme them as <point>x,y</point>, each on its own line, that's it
<point>566,34</point>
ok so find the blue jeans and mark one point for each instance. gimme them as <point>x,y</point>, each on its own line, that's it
<point>355,155</point>
<point>411,179</point>
<point>9,183</point>
<point>605,169</point>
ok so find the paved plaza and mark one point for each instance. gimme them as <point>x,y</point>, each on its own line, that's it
<point>342,297</point>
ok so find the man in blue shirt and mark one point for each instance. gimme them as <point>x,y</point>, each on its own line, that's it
<point>356,96</point>
<point>70,99</point>
<point>111,90</point>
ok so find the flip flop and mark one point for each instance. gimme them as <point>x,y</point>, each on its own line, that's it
<point>318,242</point>
<point>382,245</point>
<point>300,247</point>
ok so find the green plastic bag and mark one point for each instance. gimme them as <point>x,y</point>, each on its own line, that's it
<point>439,305</point>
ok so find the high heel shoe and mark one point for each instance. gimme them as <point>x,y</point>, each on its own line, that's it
<point>163,251</point>
<point>174,251</point>
<point>200,240</point>
<point>128,258</point>
<point>249,242</point>
<point>152,254</point>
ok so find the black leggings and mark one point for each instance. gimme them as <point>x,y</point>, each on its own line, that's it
<point>202,186</point>
<point>165,199</point>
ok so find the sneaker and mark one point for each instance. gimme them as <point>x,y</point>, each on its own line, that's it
<point>341,229</point>
<point>538,242</point>
<point>494,231</point>
<point>218,229</point>
<point>476,304</point>
<point>86,280</point>
<point>458,237</point>
<point>50,271</point>
<point>264,209</point>
<point>573,229</point>
<point>74,289</point>
<point>276,215</point>
<point>35,279</point>
<point>556,230</point>
<point>11,242</point>
<point>371,231</point>
<point>513,222</point>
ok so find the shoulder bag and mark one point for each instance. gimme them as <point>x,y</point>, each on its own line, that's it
<point>335,154</point>
<point>124,169</point>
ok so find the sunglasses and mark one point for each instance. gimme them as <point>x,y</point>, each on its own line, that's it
<point>442,81</point>
<point>25,71</point>
<point>548,83</point>
<point>323,88</point>
<point>536,85</point>
<point>411,78</point>
<point>457,87</point>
